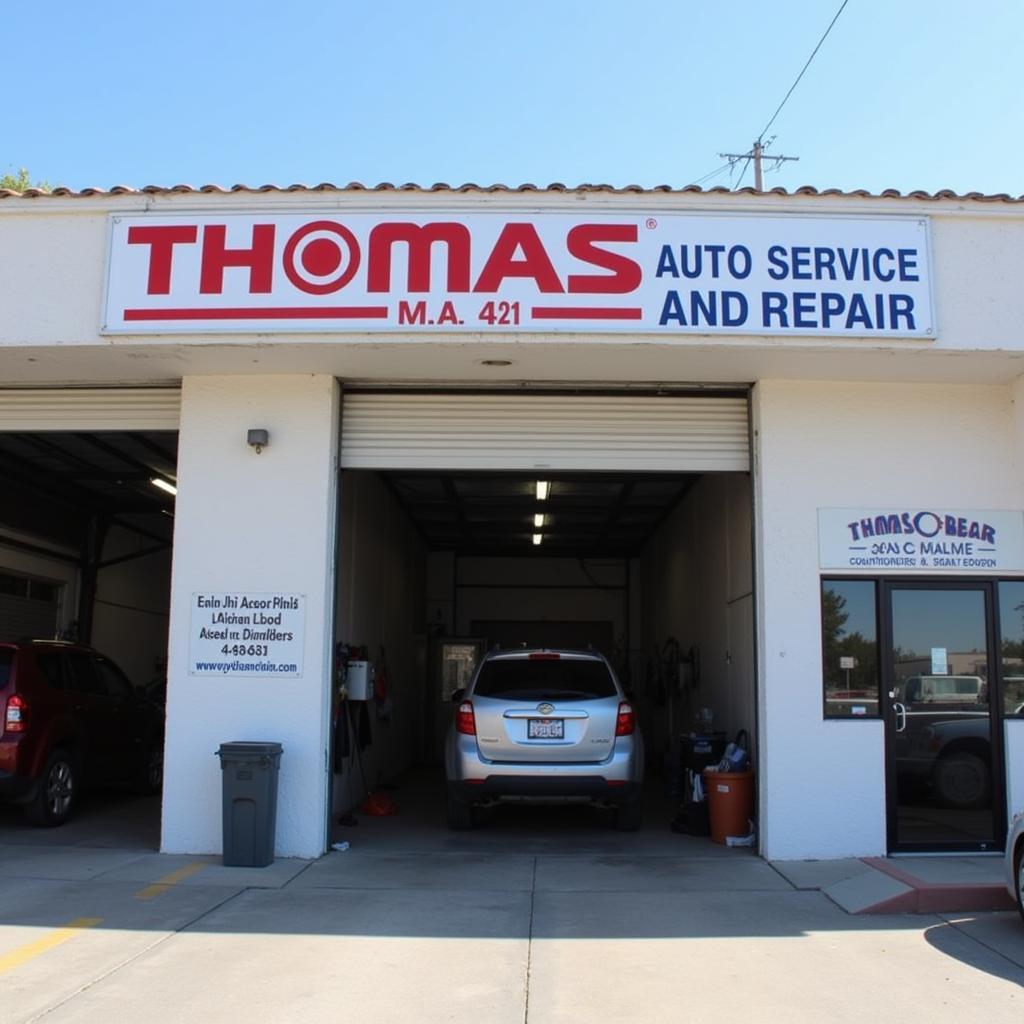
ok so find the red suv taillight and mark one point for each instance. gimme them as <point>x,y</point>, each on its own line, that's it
<point>16,715</point>
<point>465,720</point>
<point>625,724</point>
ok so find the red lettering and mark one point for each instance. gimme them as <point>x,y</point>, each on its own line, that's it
<point>626,273</point>
<point>420,240</point>
<point>535,262</point>
<point>448,314</point>
<point>408,314</point>
<point>161,241</point>
<point>217,257</point>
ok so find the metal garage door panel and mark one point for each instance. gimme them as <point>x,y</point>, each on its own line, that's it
<point>670,433</point>
<point>90,408</point>
<point>21,618</point>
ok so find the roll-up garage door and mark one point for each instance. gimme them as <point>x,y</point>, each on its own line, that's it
<point>90,408</point>
<point>662,433</point>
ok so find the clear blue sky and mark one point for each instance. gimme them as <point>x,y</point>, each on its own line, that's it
<point>904,93</point>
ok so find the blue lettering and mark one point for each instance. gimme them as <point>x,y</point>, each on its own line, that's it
<point>709,309</point>
<point>773,304</point>
<point>666,263</point>
<point>736,268</point>
<point>849,264</point>
<point>801,262</point>
<point>698,261</point>
<point>779,269</point>
<point>824,260</point>
<point>803,308</point>
<point>907,259</point>
<point>876,263</point>
<point>858,312</point>
<point>920,520</point>
<point>901,307</point>
<point>672,310</point>
<point>832,304</point>
<point>715,251</point>
<point>734,309</point>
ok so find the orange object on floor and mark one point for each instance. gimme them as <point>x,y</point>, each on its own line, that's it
<point>378,805</point>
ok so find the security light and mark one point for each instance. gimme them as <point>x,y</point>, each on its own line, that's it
<point>537,538</point>
<point>543,486</point>
<point>258,439</point>
<point>538,520</point>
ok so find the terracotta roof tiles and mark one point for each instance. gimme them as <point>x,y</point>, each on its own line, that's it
<point>804,190</point>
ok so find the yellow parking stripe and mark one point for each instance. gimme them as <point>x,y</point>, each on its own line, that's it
<point>17,957</point>
<point>158,888</point>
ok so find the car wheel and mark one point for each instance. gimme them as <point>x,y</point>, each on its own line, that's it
<point>961,779</point>
<point>1019,875</point>
<point>57,791</point>
<point>151,775</point>
<point>460,814</point>
<point>629,817</point>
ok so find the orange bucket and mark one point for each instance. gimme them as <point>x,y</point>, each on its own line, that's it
<point>730,798</point>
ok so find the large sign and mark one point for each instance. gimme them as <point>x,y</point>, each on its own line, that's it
<point>502,272</point>
<point>246,634</point>
<point>921,540</point>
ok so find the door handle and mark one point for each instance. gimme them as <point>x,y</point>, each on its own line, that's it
<point>901,715</point>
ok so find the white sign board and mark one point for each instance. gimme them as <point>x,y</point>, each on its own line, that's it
<point>921,540</point>
<point>418,272</point>
<point>940,661</point>
<point>246,634</point>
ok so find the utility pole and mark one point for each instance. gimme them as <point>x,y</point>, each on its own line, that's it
<point>757,153</point>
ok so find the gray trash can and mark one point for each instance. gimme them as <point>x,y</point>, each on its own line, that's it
<point>249,802</point>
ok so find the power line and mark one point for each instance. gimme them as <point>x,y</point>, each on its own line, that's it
<point>842,7</point>
<point>756,152</point>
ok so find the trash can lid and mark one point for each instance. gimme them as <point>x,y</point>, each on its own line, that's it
<point>249,749</point>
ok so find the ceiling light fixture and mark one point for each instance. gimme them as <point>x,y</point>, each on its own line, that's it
<point>537,538</point>
<point>543,486</point>
<point>538,520</point>
<point>164,485</point>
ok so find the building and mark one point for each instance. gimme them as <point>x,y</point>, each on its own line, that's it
<point>784,435</point>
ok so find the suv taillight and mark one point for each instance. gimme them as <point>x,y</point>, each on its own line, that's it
<point>625,724</point>
<point>465,720</point>
<point>16,715</point>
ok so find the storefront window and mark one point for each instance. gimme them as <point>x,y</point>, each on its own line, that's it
<point>1011,645</point>
<point>849,632</point>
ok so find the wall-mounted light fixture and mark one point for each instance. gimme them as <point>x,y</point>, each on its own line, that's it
<point>258,439</point>
<point>543,486</point>
<point>538,520</point>
<point>537,538</point>
<point>164,485</point>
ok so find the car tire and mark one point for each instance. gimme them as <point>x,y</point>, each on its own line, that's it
<point>56,792</point>
<point>151,774</point>
<point>961,779</point>
<point>459,813</point>
<point>1018,874</point>
<point>629,817</point>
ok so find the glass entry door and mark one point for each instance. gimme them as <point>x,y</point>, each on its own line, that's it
<point>943,785</point>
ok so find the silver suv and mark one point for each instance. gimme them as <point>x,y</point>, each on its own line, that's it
<point>544,726</point>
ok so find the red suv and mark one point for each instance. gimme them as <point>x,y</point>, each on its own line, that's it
<point>71,717</point>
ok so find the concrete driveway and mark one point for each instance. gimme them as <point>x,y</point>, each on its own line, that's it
<point>543,917</point>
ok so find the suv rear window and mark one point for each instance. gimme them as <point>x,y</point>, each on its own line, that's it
<point>527,679</point>
<point>6,661</point>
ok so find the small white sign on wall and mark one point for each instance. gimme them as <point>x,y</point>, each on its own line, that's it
<point>940,661</point>
<point>921,540</point>
<point>240,633</point>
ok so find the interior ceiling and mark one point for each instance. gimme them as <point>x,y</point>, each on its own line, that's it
<point>79,475</point>
<point>493,513</point>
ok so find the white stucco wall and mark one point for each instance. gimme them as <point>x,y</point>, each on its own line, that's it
<point>248,522</point>
<point>846,445</point>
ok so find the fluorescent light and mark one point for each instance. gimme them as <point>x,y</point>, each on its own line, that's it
<point>537,538</point>
<point>542,490</point>
<point>164,485</point>
<point>538,520</point>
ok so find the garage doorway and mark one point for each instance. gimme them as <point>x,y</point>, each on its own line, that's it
<point>474,518</point>
<point>86,533</point>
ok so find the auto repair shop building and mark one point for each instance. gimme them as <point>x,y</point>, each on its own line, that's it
<point>782,437</point>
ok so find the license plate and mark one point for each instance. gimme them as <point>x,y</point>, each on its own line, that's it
<point>545,728</point>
